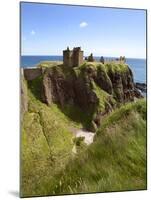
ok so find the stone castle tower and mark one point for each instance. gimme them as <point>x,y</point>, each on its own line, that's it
<point>73,58</point>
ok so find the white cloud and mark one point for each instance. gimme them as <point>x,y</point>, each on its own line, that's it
<point>32,32</point>
<point>83,24</point>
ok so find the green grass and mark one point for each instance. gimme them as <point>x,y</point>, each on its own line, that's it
<point>115,161</point>
<point>116,67</point>
<point>47,142</point>
<point>106,67</point>
<point>139,106</point>
<point>47,64</point>
<point>103,97</point>
<point>76,114</point>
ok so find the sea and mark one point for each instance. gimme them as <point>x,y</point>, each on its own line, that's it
<point>138,66</point>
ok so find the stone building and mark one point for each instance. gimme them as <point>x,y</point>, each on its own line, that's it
<point>73,58</point>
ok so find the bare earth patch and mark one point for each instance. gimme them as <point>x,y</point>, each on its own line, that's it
<point>88,136</point>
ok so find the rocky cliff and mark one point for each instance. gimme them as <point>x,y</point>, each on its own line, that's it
<point>96,88</point>
<point>61,100</point>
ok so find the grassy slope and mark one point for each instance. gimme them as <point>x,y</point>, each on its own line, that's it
<point>115,161</point>
<point>47,142</point>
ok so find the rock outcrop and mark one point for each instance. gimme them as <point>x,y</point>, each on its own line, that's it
<point>78,86</point>
<point>56,87</point>
<point>96,88</point>
<point>122,84</point>
<point>141,86</point>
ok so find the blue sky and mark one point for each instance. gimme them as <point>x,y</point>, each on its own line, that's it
<point>47,29</point>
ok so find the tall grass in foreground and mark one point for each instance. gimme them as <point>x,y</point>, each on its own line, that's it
<point>116,161</point>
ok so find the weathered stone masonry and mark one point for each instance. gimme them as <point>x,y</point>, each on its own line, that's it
<point>32,73</point>
<point>73,58</point>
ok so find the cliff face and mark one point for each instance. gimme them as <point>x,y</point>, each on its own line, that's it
<point>95,88</point>
<point>78,86</point>
<point>57,88</point>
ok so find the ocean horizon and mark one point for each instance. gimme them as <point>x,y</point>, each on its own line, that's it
<point>137,65</point>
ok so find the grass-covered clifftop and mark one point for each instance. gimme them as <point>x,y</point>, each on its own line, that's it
<point>94,87</point>
<point>117,158</point>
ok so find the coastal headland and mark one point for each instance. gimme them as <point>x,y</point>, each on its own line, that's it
<point>83,127</point>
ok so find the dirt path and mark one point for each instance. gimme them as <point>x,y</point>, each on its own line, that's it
<point>79,132</point>
<point>86,134</point>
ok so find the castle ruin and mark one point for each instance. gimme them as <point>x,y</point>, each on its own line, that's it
<point>73,58</point>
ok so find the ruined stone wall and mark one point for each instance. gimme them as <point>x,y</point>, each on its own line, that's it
<point>80,59</point>
<point>77,58</point>
<point>31,74</point>
<point>68,58</point>
<point>72,58</point>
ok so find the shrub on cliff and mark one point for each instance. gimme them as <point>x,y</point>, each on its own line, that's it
<point>102,59</point>
<point>90,58</point>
